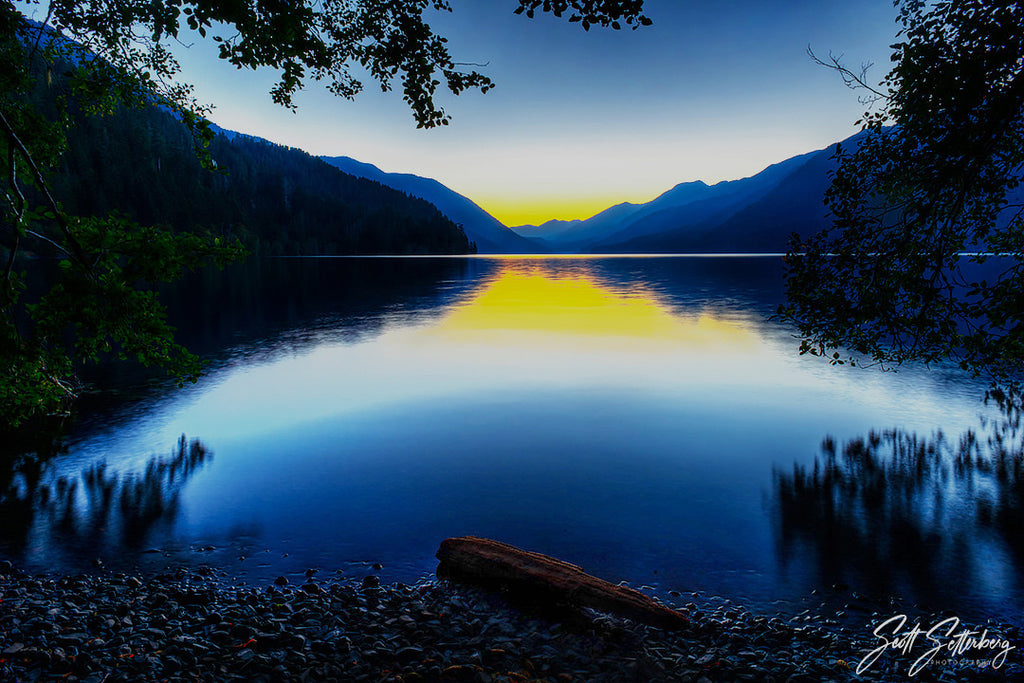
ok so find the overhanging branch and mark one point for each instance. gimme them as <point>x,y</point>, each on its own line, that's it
<point>75,249</point>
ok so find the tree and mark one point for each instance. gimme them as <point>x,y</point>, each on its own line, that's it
<point>89,57</point>
<point>322,40</point>
<point>923,202</point>
<point>101,300</point>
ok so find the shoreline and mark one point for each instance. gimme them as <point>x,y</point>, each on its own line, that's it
<point>192,624</point>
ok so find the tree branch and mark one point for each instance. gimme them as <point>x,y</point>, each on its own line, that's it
<point>46,239</point>
<point>10,258</point>
<point>852,80</point>
<point>75,250</point>
<point>18,203</point>
<point>39,34</point>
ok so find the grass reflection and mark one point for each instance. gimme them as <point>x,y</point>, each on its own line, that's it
<point>895,509</point>
<point>98,508</point>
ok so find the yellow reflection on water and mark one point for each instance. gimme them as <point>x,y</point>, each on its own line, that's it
<point>527,299</point>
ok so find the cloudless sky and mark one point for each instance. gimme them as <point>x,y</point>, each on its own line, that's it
<point>579,120</point>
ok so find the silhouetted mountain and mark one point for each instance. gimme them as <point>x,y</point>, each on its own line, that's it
<point>761,220</point>
<point>573,235</point>
<point>277,200</point>
<point>546,231</point>
<point>795,205</point>
<point>489,234</point>
<point>747,215</point>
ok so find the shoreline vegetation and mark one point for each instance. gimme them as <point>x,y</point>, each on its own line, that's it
<point>194,624</point>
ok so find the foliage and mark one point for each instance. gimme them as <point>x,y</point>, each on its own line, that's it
<point>332,41</point>
<point>101,301</point>
<point>591,12</point>
<point>96,57</point>
<point>923,200</point>
<point>275,200</point>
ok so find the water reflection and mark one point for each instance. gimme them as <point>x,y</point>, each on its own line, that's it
<point>623,413</point>
<point>97,511</point>
<point>261,309</point>
<point>265,309</point>
<point>518,325</point>
<point>531,302</point>
<point>898,513</point>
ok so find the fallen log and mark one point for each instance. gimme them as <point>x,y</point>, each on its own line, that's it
<point>543,578</point>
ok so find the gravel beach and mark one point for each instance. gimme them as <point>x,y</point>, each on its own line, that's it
<point>193,625</point>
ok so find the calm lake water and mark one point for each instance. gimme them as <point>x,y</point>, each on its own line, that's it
<point>640,417</point>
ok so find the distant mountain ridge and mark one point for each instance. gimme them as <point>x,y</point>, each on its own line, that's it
<point>276,200</point>
<point>490,235</point>
<point>753,214</point>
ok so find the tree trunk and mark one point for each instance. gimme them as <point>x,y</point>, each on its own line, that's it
<point>539,577</point>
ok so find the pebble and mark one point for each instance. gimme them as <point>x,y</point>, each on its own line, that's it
<point>195,626</point>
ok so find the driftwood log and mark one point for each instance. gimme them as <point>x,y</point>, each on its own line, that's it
<point>543,578</point>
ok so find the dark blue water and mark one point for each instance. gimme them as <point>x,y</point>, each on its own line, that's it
<point>640,417</point>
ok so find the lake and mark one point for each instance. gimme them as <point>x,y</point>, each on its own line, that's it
<point>643,417</point>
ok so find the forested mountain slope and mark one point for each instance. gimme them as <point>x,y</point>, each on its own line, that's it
<point>277,200</point>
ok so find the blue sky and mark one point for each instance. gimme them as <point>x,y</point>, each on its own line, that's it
<point>583,120</point>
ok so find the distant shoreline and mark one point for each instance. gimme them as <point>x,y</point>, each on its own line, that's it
<point>535,256</point>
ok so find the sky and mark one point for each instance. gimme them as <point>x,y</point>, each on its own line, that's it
<point>580,121</point>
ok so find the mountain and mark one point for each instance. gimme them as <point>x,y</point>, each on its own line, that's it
<point>569,234</point>
<point>489,234</point>
<point>688,211</point>
<point>546,231</point>
<point>786,198</point>
<point>276,200</point>
<point>795,204</point>
<point>141,162</point>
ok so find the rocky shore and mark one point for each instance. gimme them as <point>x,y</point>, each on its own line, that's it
<point>193,625</point>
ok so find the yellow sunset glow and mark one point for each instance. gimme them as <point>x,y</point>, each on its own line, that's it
<point>513,211</point>
<point>525,299</point>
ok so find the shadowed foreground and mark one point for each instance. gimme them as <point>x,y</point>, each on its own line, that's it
<point>191,627</point>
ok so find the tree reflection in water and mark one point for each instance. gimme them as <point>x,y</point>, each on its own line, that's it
<point>99,509</point>
<point>894,512</point>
